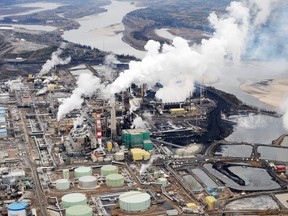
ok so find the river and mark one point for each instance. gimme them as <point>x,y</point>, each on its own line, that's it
<point>104,31</point>
<point>37,7</point>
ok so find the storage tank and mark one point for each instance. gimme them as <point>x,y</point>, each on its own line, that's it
<point>73,199</point>
<point>87,182</point>
<point>163,181</point>
<point>114,180</point>
<point>109,169</point>
<point>66,174</point>
<point>79,210</point>
<point>17,209</point>
<point>83,171</point>
<point>119,156</point>
<point>109,146</point>
<point>134,201</point>
<point>62,184</point>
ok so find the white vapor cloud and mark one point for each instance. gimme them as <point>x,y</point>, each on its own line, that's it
<point>87,85</point>
<point>177,66</point>
<point>55,60</point>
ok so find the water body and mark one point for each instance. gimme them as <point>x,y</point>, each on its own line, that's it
<point>244,178</point>
<point>38,7</point>
<point>104,31</point>
<point>164,32</point>
<point>263,202</point>
<point>234,150</point>
<point>204,178</point>
<point>192,182</point>
<point>33,27</point>
<point>259,129</point>
<point>273,153</point>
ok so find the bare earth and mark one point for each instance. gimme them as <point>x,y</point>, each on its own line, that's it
<point>273,93</point>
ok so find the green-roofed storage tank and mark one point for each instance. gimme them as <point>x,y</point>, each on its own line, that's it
<point>134,201</point>
<point>83,171</point>
<point>109,169</point>
<point>73,199</point>
<point>79,210</point>
<point>114,180</point>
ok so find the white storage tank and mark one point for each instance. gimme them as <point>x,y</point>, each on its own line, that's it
<point>134,201</point>
<point>83,171</point>
<point>62,184</point>
<point>17,209</point>
<point>79,210</point>
<point>119,156</point>
<point>73,199</point>
<point>87,182</point>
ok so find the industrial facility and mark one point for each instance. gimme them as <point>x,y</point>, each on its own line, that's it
<point>125,154</point>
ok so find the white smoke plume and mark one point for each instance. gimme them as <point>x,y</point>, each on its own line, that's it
<point>87,85</point>
<point>78,121</point>
<point>55,60</point>
<point>144,167</point>
<point>284,108</point>
<point>177,67</point>
<point>139,123</point>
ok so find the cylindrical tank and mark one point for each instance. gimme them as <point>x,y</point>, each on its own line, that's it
<point>114,180</point>
<point>108,159</point>
<point>108,169</point>
<point>73,199</point>
<point>119,156</point>
<point>134,201</point>
<point>83,171</point>
<point>66,174</point>
<point>87,182</point>
<point>109,146</point>
<point>163,181</point>
<point>62,184</point>
<point>79,210</point>
<point>17,209</point>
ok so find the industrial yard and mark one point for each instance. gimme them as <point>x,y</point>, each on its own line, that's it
<point>92,133</point>
<point>130,154</point>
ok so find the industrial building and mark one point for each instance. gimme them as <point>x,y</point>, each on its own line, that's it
<point>137,138</point>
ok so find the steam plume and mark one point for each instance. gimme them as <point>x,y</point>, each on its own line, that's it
<point>177,67</point>
<point>139,123</point>
<point>55,60</point>
<point>87,85</point>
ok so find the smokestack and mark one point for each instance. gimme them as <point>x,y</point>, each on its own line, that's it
<point>99,130</point>
<point>113,118</point>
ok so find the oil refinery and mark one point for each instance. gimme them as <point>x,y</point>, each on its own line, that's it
<point>130,154</point>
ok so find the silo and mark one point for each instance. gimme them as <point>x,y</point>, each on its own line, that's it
<point>73,199</point>
<point>114,180</point>
<point>134,201</point>
<point>119,156</point>
<point>66,174</point>
<point>163,181</point>
<point>79,210</point>
<point>83,171</point>
<point>17,209</point>
<point>108,169</point>
<point>87,182</point>
<point>62,184</point>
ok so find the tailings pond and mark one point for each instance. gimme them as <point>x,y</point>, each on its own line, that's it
<point>204,177</point>
<point>273,153</point>
<point>264,202</point>
<point>243,177</point>
<point>235,150</point>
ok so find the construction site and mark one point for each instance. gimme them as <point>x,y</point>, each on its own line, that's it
<point>128,154</point>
